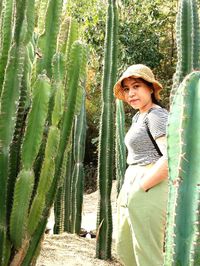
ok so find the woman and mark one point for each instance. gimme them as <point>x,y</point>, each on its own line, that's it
<point>142,200</point>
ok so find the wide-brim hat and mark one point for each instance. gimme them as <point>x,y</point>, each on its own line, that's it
<point>137,71</point>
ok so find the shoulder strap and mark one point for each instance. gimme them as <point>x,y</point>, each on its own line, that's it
<point>151,137</point>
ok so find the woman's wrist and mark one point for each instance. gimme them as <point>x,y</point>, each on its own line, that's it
<point>142,185</point>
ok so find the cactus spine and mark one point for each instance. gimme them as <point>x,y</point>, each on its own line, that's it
<point>183,218</point>
<point>188,39</point>
<point>120,147</point>
<point>106,141</point>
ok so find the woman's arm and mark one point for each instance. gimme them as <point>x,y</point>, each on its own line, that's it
<point>159,171</point>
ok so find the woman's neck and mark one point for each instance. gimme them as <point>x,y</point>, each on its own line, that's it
<point>147,107</point>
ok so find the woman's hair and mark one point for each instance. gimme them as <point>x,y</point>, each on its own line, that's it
<point>150,85</point>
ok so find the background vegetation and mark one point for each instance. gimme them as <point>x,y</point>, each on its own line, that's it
<point>146,35</point>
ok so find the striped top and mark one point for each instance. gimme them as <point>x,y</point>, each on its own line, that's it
<point>140,148</point>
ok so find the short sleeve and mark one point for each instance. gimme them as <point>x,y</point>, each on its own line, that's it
<point>157,122</point>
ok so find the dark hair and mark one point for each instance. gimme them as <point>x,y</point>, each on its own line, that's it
<point>150,85</point>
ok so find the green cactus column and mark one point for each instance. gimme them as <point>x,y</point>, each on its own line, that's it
<point>78,171</point>
<point>9,102</point>
<point>48,40</point>
<point>182,237</point>
<point>6,36</point>
<point>120,158</point>
<point>30,147</point>
<point>106,138</point>
<point>188,42</point>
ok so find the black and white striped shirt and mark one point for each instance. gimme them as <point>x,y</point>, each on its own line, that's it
<point>140,148</point>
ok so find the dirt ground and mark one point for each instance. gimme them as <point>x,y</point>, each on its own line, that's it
<point>72,250</point>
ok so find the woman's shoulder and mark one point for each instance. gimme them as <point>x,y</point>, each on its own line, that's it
<point>157,121</point>
<point>157,115</point>
<point>158,112</point>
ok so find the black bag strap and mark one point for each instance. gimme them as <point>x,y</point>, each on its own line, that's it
<point>151,137</point>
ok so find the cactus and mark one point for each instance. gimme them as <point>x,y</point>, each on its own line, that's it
<point>120,147</point>
<point>46,179</point>
<point>9,97</point>
<point>106,140</point>
<point>63,34</point>
<point>59,203</point>
<point>27,191</point>
<point>67,189</point>
<point>48,167</point>
<point>41,8</point>
<point>78,171</point>
<point>78,53</point>
<point>72,37</point>
<point>30,148</point>
<point>48,40</point>
<point>6,38</point>
<point>12,81</point>
<point>188,39</point>
<point>182,238</point>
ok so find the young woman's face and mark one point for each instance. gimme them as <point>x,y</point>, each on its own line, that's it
<point>137,94</point>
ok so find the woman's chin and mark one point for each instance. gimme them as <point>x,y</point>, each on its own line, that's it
<point>134,105</point>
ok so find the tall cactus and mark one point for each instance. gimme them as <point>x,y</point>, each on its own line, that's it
<point>182,241</point>
<point>48,40</point>
<point>6,37</point>
<point>106,140</point>
<point>68,204</point>
<point>30,148</point>
<point>78,171</point>
<point>9,101</point>
<point>188,42</point>
<point>67,189</point>
<point>59,210</point>
<point>120,147</point>
<point>41,8</point>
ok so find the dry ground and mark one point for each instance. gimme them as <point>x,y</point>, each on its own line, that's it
<point>71,250</point>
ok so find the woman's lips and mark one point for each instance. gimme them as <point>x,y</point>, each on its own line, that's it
<point>133,101</point>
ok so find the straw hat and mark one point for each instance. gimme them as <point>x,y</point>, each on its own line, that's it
<point>137,71</point>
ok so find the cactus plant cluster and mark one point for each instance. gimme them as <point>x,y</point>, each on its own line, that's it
<point>68,204</point>
<point>106,138</point>
<point>40,95</point>
<point>187,39</point>
<point>182,232</point>
<point>182,242</point>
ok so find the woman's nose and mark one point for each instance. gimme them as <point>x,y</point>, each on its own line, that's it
<point>131,92</point>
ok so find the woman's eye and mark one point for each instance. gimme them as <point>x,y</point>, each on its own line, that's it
<point>135,86</point>
<point>126,89</point>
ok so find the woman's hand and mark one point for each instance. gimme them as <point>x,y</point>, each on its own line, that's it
<point>156,174</point>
